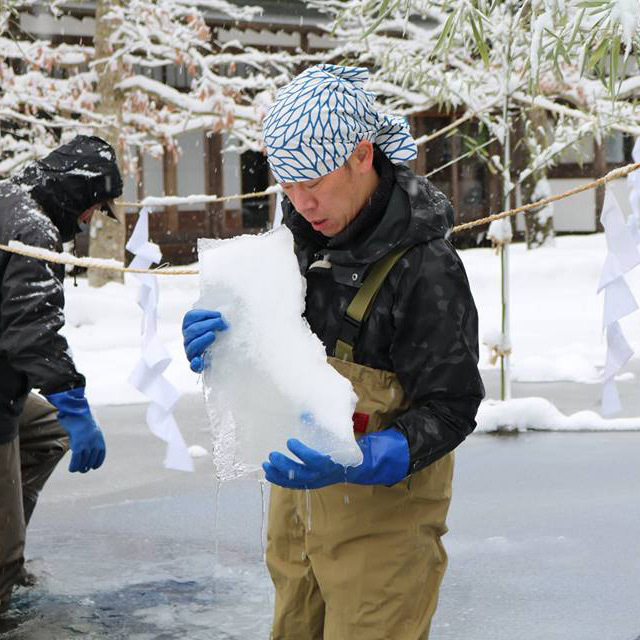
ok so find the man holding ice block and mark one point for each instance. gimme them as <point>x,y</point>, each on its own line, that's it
<point>358,556</point>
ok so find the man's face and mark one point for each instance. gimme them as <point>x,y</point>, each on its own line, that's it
<point>85,216</point>
<point>328,203</point>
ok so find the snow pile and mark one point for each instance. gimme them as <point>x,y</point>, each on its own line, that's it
<point>556,315</point>
<point>269,379</point>
<point>538,414</point>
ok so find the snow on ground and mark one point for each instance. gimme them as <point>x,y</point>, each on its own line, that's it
<point>538,414</point>
<point>556,315</point>
<point>556,321</point>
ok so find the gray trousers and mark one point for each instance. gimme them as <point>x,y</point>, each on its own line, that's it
<point>25,465</point>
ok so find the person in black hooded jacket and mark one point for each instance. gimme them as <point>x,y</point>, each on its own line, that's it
<point>355,552</point>
<point>43,206</point>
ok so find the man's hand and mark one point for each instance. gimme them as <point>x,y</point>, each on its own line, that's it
<point>85,438</point>
<point>199,328</point>
<point>386,462</point>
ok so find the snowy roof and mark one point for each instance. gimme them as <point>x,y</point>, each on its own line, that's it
<point>279,12</point>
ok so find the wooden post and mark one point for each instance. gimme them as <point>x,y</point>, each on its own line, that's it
<point>599,169</point>
<point>170,182</point>
<point>419,126</point>
<point>140,176</point>
<point>213,180</point>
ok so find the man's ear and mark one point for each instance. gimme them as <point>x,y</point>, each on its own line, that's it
<point>363,154</point>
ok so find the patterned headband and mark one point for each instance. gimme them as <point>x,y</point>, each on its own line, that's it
<point>320,117</point>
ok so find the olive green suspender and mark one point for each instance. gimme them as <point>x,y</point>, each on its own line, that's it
<point>360,306</point>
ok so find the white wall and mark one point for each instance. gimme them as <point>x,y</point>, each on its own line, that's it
<point>231,177</point>
<point>152,172</point>
<point>130,191</point>
<point>44,24</point>
<point>582,152</point>
<point>577,212</point>
<point>191,166</point>
<point>249,37</point>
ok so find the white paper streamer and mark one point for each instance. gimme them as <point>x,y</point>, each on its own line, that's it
<point>622,256</point>
<point>147,375</point>
<point>633,180</point>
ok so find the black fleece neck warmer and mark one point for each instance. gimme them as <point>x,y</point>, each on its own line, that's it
<point>375,207</point>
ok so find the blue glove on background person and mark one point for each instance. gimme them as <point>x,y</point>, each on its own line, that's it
<point>386,461</point>
<point>198,330</point>
<point>85,438</point>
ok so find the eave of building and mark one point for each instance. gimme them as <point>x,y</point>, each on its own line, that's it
<point>282,16</point>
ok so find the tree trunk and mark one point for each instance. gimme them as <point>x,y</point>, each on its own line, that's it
<point>538,223</point>
<point>107,237</point>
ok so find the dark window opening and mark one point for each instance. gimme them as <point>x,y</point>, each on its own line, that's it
<point>255,178</point>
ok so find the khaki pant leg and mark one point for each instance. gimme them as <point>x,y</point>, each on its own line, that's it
<point>377,555</point>
<point>43,442</point>
<point>12,526</point>
<point>299,607</point>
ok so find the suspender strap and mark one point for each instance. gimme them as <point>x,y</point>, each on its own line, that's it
<point>361,304</point>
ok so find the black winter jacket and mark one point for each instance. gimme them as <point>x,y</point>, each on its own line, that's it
<point>40,208</point>
<point>423,324</point>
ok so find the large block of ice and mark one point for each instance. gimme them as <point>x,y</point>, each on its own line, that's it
<point>268,373</point>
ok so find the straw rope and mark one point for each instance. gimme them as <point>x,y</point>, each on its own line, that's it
<point>92,263</point>
<point>612,175</point>
<point>172,201</point>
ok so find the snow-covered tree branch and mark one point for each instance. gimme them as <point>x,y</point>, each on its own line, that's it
<point>51,91</point>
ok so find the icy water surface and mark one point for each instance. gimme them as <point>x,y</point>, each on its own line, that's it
<point>544,542</point>
<point>231,607</point>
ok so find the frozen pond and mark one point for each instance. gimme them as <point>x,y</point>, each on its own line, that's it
<point>544,542</point>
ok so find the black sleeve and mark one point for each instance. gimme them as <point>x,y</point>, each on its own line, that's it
<point>31,316</point>
<point>435,352</point>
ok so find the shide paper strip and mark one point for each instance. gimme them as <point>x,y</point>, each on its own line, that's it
<point>148,376</point>
<point>622,256</point>
<point>633,180</point>
<point>267,378</point>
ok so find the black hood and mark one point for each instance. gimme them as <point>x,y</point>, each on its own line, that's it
<point>416,212</point>
<point>72,179</point>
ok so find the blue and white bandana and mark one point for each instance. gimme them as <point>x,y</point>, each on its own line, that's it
<point>320,117</point>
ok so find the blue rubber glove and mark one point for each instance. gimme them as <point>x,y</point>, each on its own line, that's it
<point>85,438</point>
<point>198,330</point>
<point>386,461</point>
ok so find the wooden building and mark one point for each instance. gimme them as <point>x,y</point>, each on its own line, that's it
<point>206,166</point>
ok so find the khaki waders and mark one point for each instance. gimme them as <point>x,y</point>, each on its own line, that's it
<point>356,562</point>
<point>26,462</point>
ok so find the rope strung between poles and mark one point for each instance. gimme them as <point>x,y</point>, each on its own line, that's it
<point>88,263</point>
<point>171,201</point>
<point>526,208</point>
<point>112,265</point>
